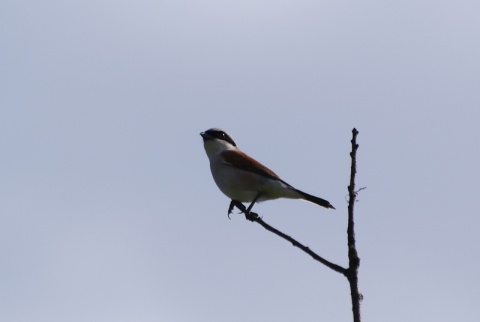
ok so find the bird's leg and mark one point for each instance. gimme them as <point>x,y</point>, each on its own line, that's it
<point>251,215</point>
<point>238,204</point>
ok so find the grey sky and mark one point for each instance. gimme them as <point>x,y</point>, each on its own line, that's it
<point>109,211</point>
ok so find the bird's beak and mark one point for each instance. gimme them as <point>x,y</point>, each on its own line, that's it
<point>205,136</point>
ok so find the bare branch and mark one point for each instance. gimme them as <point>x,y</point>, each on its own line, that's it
<point>251,216</point>
<point>306,249</point>
<point>354,260</point>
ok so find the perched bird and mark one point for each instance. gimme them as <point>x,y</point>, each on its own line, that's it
<point>243,179</point>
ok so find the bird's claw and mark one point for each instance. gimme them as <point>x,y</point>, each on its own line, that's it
<point>251,216</point>
<point>230,209</point>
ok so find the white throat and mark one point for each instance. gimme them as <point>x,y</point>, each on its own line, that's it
<point>212,147</point>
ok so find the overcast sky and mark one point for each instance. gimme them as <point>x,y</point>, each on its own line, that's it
<point>108,210</point>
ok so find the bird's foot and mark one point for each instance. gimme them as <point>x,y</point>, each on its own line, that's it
<point>249,215</point>
<point>252,216</point>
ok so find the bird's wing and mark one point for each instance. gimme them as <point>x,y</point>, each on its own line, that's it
<point>242,161</point>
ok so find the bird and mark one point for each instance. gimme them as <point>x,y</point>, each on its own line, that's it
<point>243,179</point>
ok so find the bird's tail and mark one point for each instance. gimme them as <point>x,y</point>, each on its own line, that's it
<point>315,200</point>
